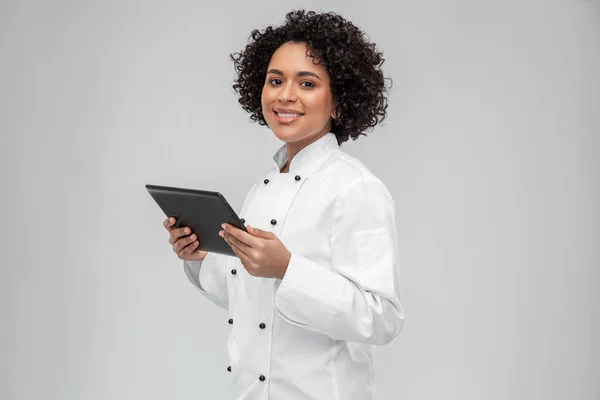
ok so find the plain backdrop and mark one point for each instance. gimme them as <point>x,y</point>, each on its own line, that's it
<point>490,151</point>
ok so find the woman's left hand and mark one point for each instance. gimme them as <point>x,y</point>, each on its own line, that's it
<point>261,252</point>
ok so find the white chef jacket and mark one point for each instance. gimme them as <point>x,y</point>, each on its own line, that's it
<point>311,335</point>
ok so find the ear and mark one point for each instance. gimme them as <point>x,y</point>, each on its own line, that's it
<point>335,114</point>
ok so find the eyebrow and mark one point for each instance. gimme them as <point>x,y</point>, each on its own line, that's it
<point>301,73</point>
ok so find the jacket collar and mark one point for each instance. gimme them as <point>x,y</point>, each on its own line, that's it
<point>305,160</point>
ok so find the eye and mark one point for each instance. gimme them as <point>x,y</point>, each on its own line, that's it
<point>310,83</point>
<point>274,79</point>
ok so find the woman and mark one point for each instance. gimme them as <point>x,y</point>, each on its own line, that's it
<point>315,283</point>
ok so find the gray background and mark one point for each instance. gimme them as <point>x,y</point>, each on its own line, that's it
<point>490,152</point>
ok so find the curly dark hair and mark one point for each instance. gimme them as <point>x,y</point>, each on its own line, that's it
<point>353,63</point>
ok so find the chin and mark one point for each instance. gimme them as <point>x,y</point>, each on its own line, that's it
<point>288,134</point>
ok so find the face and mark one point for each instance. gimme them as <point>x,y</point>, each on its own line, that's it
<point>296,98</point>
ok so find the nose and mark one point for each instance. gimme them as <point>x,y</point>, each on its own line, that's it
<point>287,93</point>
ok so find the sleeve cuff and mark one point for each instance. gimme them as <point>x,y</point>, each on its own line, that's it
<point>192,270</point>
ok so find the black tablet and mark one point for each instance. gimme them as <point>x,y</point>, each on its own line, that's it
<point>202,211</point>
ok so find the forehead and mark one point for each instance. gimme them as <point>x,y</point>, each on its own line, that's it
<point>291,57</point>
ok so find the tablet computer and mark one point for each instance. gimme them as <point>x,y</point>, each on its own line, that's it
<point>202,211</point>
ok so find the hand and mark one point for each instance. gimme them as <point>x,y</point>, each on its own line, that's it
<point>184,244</point>
<point>261,253</point>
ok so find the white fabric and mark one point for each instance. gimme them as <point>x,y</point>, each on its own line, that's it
<point>340,295</point>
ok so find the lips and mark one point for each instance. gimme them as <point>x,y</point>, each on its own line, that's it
<point>286,116</point>
<point>286,111</point>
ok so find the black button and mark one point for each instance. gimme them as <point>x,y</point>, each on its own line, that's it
<point>266,181</point>
<point>262,378</point>
<point>233,271</point>
<point>229,368</point>
<point>262,325</point>
<point>243,220</point>
<point>230,320</point>
<point>297,177</point>
<point>273,222</point>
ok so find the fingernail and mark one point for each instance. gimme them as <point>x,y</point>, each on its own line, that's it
<point>187,230</point>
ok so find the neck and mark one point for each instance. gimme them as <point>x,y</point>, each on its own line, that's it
<point>294,148</point>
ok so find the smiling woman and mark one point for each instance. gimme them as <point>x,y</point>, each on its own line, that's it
<point>296,98</point>
<point>313,60</point>
<point>314,284</point>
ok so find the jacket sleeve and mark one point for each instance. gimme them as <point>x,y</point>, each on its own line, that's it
<point>357,299</point>
<point>209,276</point>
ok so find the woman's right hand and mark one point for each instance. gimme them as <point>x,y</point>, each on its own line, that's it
<point>184,244</point>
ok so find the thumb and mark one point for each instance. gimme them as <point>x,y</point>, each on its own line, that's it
<point>258,232</point>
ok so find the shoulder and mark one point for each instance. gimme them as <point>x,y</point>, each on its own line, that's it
<point>361,200</point>
<point>351,177</point>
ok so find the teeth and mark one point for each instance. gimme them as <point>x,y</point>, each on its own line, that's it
<point>288,115</point>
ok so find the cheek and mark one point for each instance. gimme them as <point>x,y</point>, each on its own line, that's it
<point>318,104</point>
<point>263,97</point>
<point>266,97</point>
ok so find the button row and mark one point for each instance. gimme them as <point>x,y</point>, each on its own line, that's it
<point>297,178</point>
<point>261,378</point>
<point>273,221</point>
<point>261,326</point>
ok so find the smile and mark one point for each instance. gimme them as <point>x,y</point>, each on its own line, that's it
<point>285,117</point>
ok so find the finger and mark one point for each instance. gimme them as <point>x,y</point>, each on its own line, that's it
<point>189,249</point>
<point>233,242</point>
<point>169,223</point>
<point>244,259</point>
<point>177,233</point>
<point>184,241</point>
<point>260,233</point>
<point>236,247</point>
<point>241,235</point>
